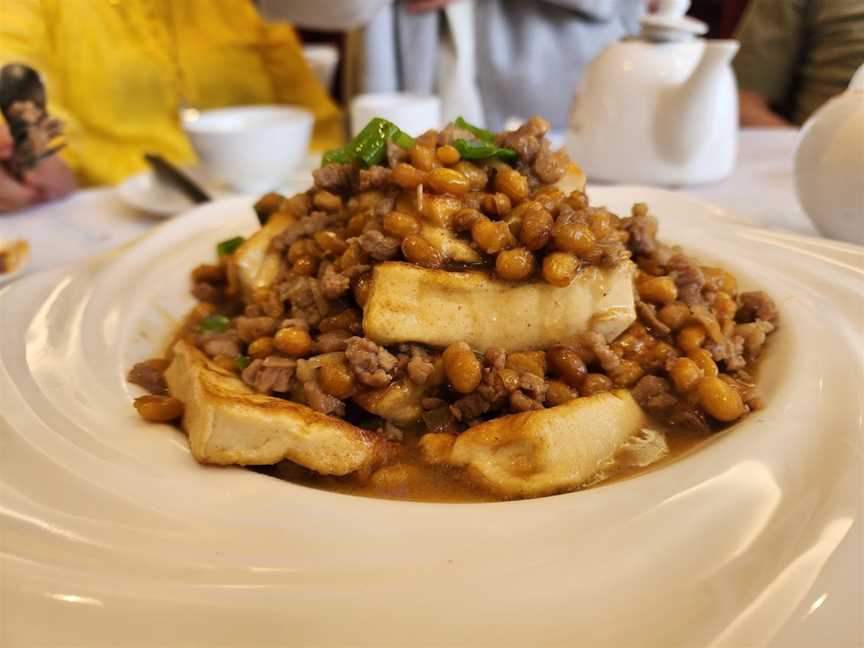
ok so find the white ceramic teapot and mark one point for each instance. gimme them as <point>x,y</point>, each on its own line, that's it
<point>829,165</point>
<point>660,109</point>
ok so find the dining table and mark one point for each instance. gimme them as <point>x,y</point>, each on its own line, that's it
<point>759,191</point>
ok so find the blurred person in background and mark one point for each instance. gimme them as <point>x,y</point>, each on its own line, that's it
<point>794,56</point>
<point>118,72</point>
<point>489,60</point>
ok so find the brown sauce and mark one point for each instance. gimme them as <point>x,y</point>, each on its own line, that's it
<point>409,478</point>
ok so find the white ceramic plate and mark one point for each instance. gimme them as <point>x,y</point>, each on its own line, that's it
<point>113,535</point>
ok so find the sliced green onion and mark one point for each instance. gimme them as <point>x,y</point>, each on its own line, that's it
<point>403,140</point>
<point>242,362</point>
<point>370,145</point>
<point>482,133</point>
<point>217,323</point>
<point>228,246</point>
<point>338,156</point>
<point>482,150</point>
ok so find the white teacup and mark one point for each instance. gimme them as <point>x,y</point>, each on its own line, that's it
<point>251,148</point>
<point>412,113</point>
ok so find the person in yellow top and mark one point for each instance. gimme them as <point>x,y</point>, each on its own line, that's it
<point>118,72</point>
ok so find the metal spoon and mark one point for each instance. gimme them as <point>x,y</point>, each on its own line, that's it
<point>33,130</point>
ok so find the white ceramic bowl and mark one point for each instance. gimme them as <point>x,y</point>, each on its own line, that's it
<point>251,148</point>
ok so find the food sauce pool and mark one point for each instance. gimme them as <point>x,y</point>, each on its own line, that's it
<point>410,478</point>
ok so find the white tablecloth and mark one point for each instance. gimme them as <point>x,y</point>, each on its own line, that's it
<point>762,186</point>
<point>760,189</point>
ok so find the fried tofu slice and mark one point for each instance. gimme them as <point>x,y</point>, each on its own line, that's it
<point>548,451</point>
<point>228,423</point>
<point>408,303</point>
<point>257,265</point>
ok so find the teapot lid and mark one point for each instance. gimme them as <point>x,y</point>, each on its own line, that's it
<point>668,22</point>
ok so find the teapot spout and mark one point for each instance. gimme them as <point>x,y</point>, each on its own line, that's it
<point>690,111</point>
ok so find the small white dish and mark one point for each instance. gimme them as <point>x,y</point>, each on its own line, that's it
<point>144,191</point>
<point>114,533</point>
<point>252,149</point>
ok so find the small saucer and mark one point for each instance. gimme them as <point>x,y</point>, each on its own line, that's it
<point>145,192</point>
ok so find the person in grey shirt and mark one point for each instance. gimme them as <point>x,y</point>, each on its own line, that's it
<point>528,55</point>
<point>531,55</point>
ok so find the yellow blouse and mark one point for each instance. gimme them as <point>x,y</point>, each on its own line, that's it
<point>118,71</point>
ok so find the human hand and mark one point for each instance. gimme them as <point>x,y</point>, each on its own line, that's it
<point>754,112</point>
<point>422,6</point>
<point>51,179</point>
<point>14,195</point>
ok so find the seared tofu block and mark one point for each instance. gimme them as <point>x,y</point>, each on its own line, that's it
<point>548,451</point>
<point>408,303</point>
<point>228,423</point>
<point>257,264</point>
